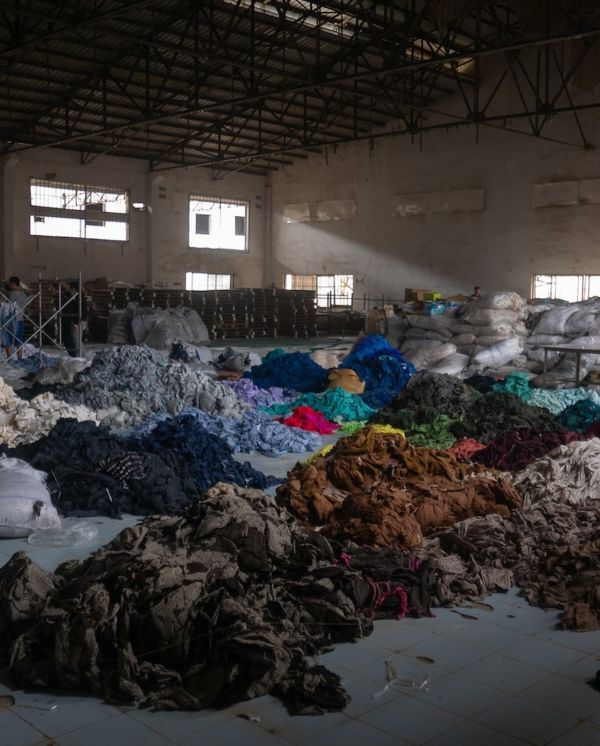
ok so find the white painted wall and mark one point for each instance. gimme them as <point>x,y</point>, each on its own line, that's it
<point>499,247</point>
<point>157,249</point>
<point>171,255</point>
<point>27,255</point>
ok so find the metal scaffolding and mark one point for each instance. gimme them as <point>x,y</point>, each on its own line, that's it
<point>247,85</point>
<point>40,323</point>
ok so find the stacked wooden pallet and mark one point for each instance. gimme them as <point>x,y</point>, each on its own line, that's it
<point>228,314</point>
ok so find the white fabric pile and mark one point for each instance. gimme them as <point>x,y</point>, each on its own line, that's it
<point>569,474</point>
<point>23,422</point>
<point>487,333</point>
<point>25,503</point>
<point>156,327</point>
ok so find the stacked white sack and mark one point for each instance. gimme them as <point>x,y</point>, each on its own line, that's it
<point>485,333</point>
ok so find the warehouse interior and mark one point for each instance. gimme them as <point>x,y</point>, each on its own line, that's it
<point>299,372</point>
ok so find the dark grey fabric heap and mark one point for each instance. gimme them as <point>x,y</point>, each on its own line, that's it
<point>128,384</point>
<point>218,604</point>
<point>551,550</point>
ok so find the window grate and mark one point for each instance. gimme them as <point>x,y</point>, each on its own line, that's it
<point>66,210</point>
<point>207,281</point>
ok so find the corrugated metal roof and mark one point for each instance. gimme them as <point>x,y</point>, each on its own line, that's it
<point>169,81</point>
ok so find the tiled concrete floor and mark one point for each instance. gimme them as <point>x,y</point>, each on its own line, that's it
<point>506,678</point>
<point>503,679</point>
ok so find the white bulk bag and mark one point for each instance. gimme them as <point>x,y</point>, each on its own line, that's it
<point>499,354</point>
<point>25,503</point>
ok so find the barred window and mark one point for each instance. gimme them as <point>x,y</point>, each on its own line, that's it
<point>78,211</point>
<point>332,290</point>
<point>206,281</point>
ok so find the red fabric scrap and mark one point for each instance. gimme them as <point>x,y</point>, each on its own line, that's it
<point>307,418</point>
<point>465,448</point>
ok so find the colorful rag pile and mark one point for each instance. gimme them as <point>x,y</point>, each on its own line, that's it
<point>336,405</point>
<point>307,418</point>
<point>382,367</point>
<point>295,371</point>
<point>256,396</point>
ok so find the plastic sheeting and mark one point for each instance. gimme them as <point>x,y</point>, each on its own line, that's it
<point>159,328</point>
<point>25,503</point>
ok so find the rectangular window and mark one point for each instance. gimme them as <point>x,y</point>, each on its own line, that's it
<point>332,290</point>
<point>202,224</point>
<point>571,288</point>
<point>227,223</point>
<point>78,211</point>
<point>205,281</point>
<point>240,225</point>
<point>301,282</point>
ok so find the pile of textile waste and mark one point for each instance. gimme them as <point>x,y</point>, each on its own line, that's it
<point>208,458</point>
<point>25,421</point>
<point>91,471</point>
<point>295,371</point>
<point>255,396</point>
<point>569,474</point>
<point>551,550</point>
<point>126,385</point>
<point>384,371</point>
<point>475,415</point>
<point>554,400</point>
<point>374,488</point>
<point>218,604</point>
<point>253,432</point>
<point>307,418</point>
<point>336,405</point>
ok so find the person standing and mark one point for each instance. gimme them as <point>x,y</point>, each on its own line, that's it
<point>69,316</point>
<point>17,295</point>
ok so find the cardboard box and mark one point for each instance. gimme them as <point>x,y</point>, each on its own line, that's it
<point>416,294</point>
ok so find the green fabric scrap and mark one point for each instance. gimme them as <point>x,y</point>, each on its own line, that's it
<point>435,434</point>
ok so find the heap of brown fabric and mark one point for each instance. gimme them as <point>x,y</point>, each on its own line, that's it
<point>551,550</point>
<point>376,489</point>
<point>218,604</point>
